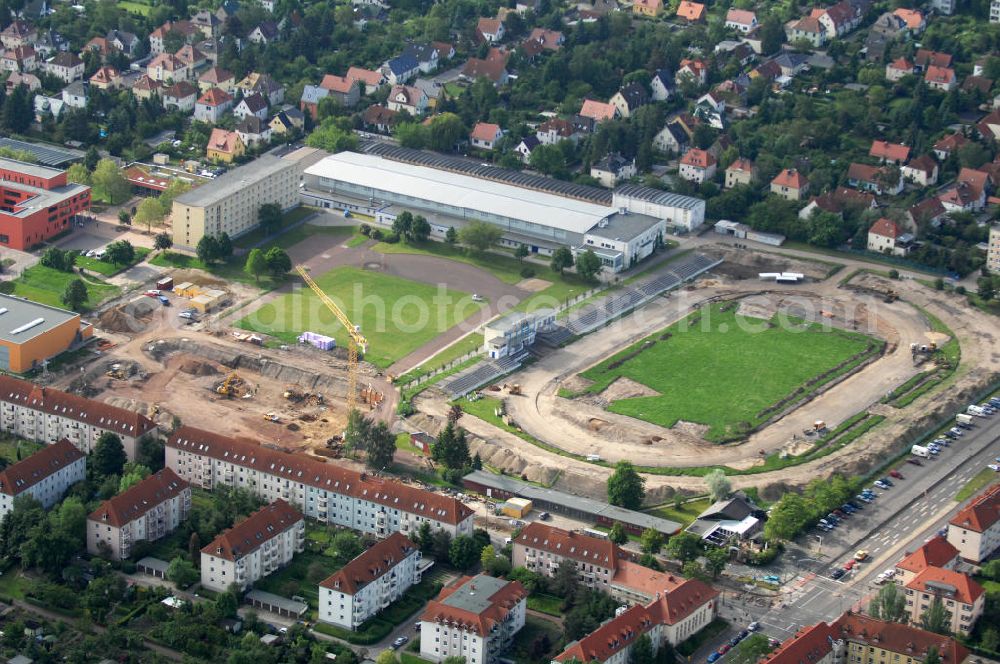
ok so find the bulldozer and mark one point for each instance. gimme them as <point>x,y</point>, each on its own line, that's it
<point>233,386</point>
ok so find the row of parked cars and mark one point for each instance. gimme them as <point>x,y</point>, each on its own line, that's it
<point>735,641</point>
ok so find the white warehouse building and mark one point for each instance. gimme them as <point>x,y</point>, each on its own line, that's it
<point>539,212</point>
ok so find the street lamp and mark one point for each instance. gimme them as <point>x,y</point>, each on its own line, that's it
<point>819,549</point>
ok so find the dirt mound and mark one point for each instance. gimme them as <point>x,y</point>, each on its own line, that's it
<point>626,388</point>
<point>198,368</point>
<point>198,278</point>
<point>129,318</point>
<point>577,383</point>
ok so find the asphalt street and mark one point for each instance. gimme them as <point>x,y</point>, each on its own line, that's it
<point>898,521</point>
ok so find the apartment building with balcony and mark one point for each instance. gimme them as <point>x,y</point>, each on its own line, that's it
<point>327,492</point>
<point>260,544</point>
<point>475,618</point>
<point>46,415</point>
<point>147,511</point>
<point>960,594</point>
<point>45,475</point>
<point>370,583</point>
<point>542,548</point>
<point>975,530</point>
<point>935,552</point>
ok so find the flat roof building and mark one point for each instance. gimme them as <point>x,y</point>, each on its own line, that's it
<point>37,204</point>
<point>31,333</point>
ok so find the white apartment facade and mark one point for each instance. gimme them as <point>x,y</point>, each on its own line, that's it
<point>975,530</point>
<point>147,511</point>
<point>370,583</point>
<point>263,543</point>
<point>542,548</point>
<point>46,415</point>
<point>994,11</point>
<point>961,596</point>
<point>993,250</point>
<point>45,475</point>
<point>323,491</point>
<point>476,618</point>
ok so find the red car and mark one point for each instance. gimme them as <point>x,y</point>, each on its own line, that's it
<point>895,473</point>
<point>724,649</point>
<point>849,565</point>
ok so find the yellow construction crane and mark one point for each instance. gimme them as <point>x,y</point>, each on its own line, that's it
<point>357,340</point>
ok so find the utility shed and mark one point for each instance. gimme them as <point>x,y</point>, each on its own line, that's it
<point>516,507</point>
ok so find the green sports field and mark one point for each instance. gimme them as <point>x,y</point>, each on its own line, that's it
<point>725,371</point>
<point>396,315</point>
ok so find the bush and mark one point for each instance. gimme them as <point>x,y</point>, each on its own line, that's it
<point>376,234</point>
<point>766,556</point>
<point>391,238</point>
<point>365,230</point>
<point>527,272</point>
<point>960,290</point>
<point>404,408</point>
<point>894,274</point>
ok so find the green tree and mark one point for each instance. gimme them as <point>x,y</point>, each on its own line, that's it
<point>269,216</point>
<point>330,136</point>
<point>716,559</point>
<point>124,218</point>
<point>75,295</point>
<point>411,135</point>
<point>380,446</point>
<point>488,554</point>
<point>175,188</point>
<point>626,488</point>
<point>78,173</point>
<point>684,546</point>
<point>194,547</point>
<point>618,534</point>
<point>451,447</point>
<point>787,518</point>
<point>207,249</point>
<point>402,224</point>
<point>693,570</point>
<point>651,541</point>
<point>18,110</point>
<point>149,213</point>
<point>445,132</point>
<point>991,639</point>
<point>356,431</point>
<point>889,604</point>
<point>162,241</point>
<point>933,656</point>
<point>566,579</point>
<point>120,253</point>
<point>256,264</point>
<point>642,651</point>
<point>719,486</point>
<point>562,258</point>
<point>57,259</point>
<point>937,618</point>
<point>108,178</point>
<point>421,229</point>
<point>588,265</point>
<point>386,657</point>
<point>279,262</point>
<point>224,247</point>
<point>132,474</point>
<point>521,252</point>
<point>451,235</point>
<point>479,235</point>
<point>548,159</point>
<point>181,572</point>
<point>463,552</point>
<point>108,457</point>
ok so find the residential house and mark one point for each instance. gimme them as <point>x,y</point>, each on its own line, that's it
<point>554,130</point>
<point>648,8</point>
<point>191,58</point>
<point>975,530</point>
<point>30,81</point>
<point>475,618</point>
<point>145,512</point>
<point>914,19</point>
<point>926,58</point>
<point>212,105</point>
<point>940,78</point>
<point>899,68</point>
<point>181,96</point>
<point>66,66</point>
<point>740,172</point>
<point>209,24</point>
<point>694,70</point>
<point>809,29</point>
<point>922,170</point>
<point>216,77</point>
<point>347,91</point>
<point>186,30</point>
<point>612,169</point>
<point>371,80</point>
<point>948,145</point>
<point>838,201</point>
<point>839,19</point>
<point>484,135</point>
<point>379,119</point>
<point>400,69</point>
<point>146,87</point>
<point>548,40</point>
<point>791,64</point>
<point>369,583</point>
<point>166,67</point>
<point>877,180</point>
<point>662,85</point>
<point>961,595</point>
<point>490,30</point>
<point>287,121</point>
<point>19,59</point>
<point>541,548</point>
<point>266,32</point>
<point>692,12</point>
<point>929,211</point>
<point>46,107</point>
<point>697,166</point>
<point>263,543</point>
<point>45,475</point>
<point>124,42</point>
<point>255,105</point>
<point>526,147</point>
<point>884,238</point>
<point>18,33</point>
<point>734,519</point>
<point>672,139</point>
<point>406,98</point>
<point>936,552</point>
<point>105,78</point>
<point>224,146</point>
<point>989,126</point>
<point>253,131</point>
<point>741,20</point>
<point>264,85</point>
<point>790,184</point>
<point>598,111</point>
<point>425,54</point>
<point>629,98</point>
<point>75,94</point>
<point>492,69</point>
<point>889,153</point>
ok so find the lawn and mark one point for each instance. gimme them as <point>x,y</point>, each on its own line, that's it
<point>14,449</point>
<point>231,270</point>
<point>46,286</point>
<point>13,584</point>
<point>110,269</point>
<point>291,217</point>
<point>546,604</point>
<point>135,7</point>
<point>296,575</point>
<point>523,650</point>
<point>687,513</point>
<point>396,315</point>
<point>727,371</point>
<point>973,486</point>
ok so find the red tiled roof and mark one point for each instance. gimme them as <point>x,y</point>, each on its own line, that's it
<point>321,475</point>
<point>692,11</point>
<point>890,151</point>
<point>366,76</point>
<point>967,591</point>
<point>550,40</point>
<point>43,463</point>
<point>491,69</point>
<point>215,97</point>
<point>489,26</point>
<point>924,163</point>
<point>189,55</point>
<point>936,552</point>
<point>563,128</point>
<point>842,197</point>
<point>501,602</point>
<point>912,17</point>
<point>863,172</point>
<point>412,94</point>
<point>977,180</point>
<point>341,84</point>
<point>942,75</point>
<point>167,61</point>
<point>378,115</point>
<point>741,166</point>
<point>597,110</point>
<point>371,565</point>
<point>898,638</point>
<point>485,131</point>
<point>981,513</point>
<point>575,546</point>
<point>222,141</point>
<point>144,82</point>
<point>925,57</point>
<point>698,158</point>
<point>809,24</point>
<point>637,577</point>
<point>790,178</point>
<point>216,75</point>
<point>92,413</point>
<point>139,498</point>
<point>809,645</point>
<point>926,210</point>
<point>740,16</point>
<point>250,533</point>
<point>180,90</point>
<point>902,64</point>
<point>951,142</point>
<point>886,228</point>
<point>697,67</point>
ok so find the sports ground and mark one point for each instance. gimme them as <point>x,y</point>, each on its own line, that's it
<point>727,371</point>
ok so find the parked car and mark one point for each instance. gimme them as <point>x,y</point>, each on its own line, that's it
<point>724,649</point>
<point>849,565</point>
<point>895,473</point>
<point>400,642</point>
<point>880,484</point>
<point>915,461</point>
<point>860,555</point>
<point>754,626</point>
<point>994,467</point>
<point>713,657</point>
<point>152,292</point>
<point>837,573</point>
<point>886,480</point>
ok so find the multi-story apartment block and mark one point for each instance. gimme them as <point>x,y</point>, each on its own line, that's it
<point>961,596</point>
<point>38,203</point>
<point>47,415</point>
<point>323,491</point>
<point>45,475</point>
<point>475,618</point>
<point>975,530</point>
<point>993,250</point>
<point>994,11</point>
<point>147,511</point>
<point>370,583</point>
<point>260,544</point>
<point>936,552</point>
<point>541,548</point>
